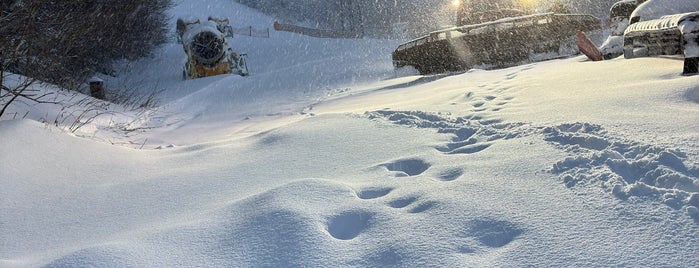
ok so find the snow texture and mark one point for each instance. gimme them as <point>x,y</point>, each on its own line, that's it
<point>326,157</point>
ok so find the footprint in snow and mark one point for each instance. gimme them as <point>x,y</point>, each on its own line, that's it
<point>402,201</point>
<point>372,193</point>
<point>422,207</point>
<point>463,143</point>
<point>412,204</point>
<point>478,104</point>
<point>449,147</point>
<point>491,233</point>
<point>470,149</point>
<point>449,174</point>
<point>349,224</point>
<point>407,167</point>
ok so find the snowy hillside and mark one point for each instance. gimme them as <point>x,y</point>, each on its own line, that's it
<point>326,157</point>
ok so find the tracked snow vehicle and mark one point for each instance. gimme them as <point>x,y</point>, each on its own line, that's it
<point>207,50</point>
<point>665,27</point>
<point>492,34</point>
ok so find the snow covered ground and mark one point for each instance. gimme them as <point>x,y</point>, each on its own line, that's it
<point>326,157</point>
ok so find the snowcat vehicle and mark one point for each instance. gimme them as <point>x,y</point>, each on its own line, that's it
<point>493,34</point>
<point>665,27</point>
<point>207,50</point>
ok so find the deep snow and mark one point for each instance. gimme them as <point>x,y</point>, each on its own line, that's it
<point>326,157</point>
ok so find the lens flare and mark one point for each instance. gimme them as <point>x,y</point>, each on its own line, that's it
<point>456,3</point>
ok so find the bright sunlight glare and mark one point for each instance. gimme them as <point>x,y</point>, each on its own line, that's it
<point>528,3</point>
<point>456,3</point>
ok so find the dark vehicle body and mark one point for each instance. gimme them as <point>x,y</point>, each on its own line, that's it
<point>495,38</point>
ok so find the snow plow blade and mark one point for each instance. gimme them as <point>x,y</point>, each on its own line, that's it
<point>670,35</point>
<point>496,44</point>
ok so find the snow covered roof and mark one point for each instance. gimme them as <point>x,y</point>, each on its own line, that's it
<point>654,9</point>
<point>665,22</point>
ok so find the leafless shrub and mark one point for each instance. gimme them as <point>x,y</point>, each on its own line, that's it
<point>135,99</point>
<point>65,42</point>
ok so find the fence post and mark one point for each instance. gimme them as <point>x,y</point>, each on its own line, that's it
<point>97,88</point>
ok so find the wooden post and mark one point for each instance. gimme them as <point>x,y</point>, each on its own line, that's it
<point>691,66</point>
<point>97,88</point>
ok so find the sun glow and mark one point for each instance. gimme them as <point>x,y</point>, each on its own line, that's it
<point>528,4</point>
<point>456,3</point>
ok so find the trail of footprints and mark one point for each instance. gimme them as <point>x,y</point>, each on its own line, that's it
<point>475,133</point>
<point>476,234</point>
<point>470,134</point>
<point>487,233</point>
<point>496,97</point>
<point>487,102</point>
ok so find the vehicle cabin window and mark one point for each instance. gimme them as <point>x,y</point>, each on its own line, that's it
<point>623,10</point>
